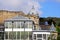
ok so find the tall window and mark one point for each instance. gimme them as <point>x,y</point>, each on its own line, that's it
<point>15,24</point>
<point>18,24</point>
<point>18,35</point>
<point>6,24</point>
<point>6,35</point>
<point>9,24</point>
<point>28,25</point>
<point>22,25</point>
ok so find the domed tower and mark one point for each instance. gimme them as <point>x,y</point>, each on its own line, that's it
<point>33,14</point>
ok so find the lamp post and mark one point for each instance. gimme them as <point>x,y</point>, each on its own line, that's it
<point>12,30</point>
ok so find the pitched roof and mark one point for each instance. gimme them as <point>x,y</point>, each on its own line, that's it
<point>18,18</point>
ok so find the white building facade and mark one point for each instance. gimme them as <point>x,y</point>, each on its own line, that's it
<point>18,28</point>
<point>22,28</point>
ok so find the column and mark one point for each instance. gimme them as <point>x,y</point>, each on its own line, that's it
<point>4,35</point>
<point>8,31</point>
<point>20,31</point>
<point>32,36</point>
<point>8,35</point>
<point>16,31</point>
<point>28,31</point>
<point>36,36</point>
<point>16,24</point>
<point>42,36</point>
<point>46,36</point>
<point>16,35</point>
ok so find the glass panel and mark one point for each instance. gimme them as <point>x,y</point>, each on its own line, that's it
<point>14,35</point>
<point>6,24</point>
<point>26,24</point>
<point>39,39</point>
<point>1,35</point>
<point>6,35</point>
<point>22,24</point>
<point>10,35</point>
<point>1,29</point>
<point>34,36</point>
<point>24,35</point>
<point>44,36</point>
<point>39,35</point>
<point>18,24</point>
<point>14,24</point>
<point>18,35</point>
<point>10,24</point>
<point>30,35</point>
<point>30,24</point>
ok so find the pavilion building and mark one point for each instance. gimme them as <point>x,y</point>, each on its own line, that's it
<point>28,28</point>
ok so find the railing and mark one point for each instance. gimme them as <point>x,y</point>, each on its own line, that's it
<point>42,27</point>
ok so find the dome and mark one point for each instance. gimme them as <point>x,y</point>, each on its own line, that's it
<point>33,11</point>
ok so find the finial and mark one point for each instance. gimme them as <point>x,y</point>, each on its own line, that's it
<point>33,7</point>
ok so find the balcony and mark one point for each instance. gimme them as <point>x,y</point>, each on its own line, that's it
<point>42,27</point>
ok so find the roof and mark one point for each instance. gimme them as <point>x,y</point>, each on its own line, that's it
<point>19,18</point>
<point>52,28</point>
<point>48,27</point>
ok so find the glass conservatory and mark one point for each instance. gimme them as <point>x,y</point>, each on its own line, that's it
<point>18,28</point>
<point>23,28</point>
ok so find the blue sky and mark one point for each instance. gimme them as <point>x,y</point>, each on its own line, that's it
<point>50,9</point>
<point>45,8</point>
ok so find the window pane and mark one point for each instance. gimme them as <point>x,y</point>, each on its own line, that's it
<point>6,35</point>
<point>6,24</point>
<point>30,24</point>
<point>44,36</point>
<point>10,35</point>
<point>26,24</point>
<point>10,24</point>
<point>30,35</point>
<point>39,35</point>
<point>39,39</point>
<point>1,35</point>
<point>14,24</point>
<point>34,36</point>
<point>18,24</point>
<point>14,35</point>
<point>24,35</point>
<point>18,35</point>
<point>22,25</point>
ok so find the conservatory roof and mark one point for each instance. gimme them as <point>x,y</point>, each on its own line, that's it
<point>19,18</point>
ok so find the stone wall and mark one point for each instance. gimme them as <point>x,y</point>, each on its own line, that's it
<point>4,14</point>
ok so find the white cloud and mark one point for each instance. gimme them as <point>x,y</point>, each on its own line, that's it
<point>57,0</point>
<point>21,5</point>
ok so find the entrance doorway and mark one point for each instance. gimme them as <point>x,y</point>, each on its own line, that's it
<point>40,36</point>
